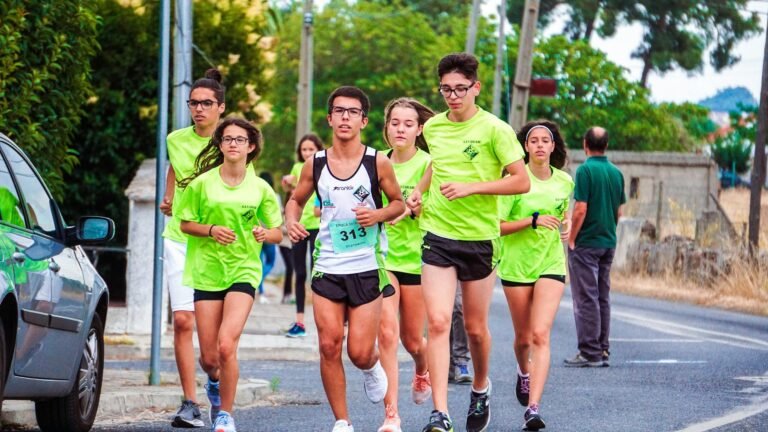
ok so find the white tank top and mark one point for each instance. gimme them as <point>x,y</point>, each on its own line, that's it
<point>342,245</point>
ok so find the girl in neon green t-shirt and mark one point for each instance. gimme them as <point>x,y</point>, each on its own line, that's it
<point>222,211</point>
<point>532,267</point>
<point>403,315</point>
<point>309,144</point>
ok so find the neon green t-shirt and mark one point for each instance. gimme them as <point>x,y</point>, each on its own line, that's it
<point>405,237</point>
<point>184,145</point>
<point>308,218</point>
<point>529,253</point>
<point>211,266</point>
<point>476,150</point>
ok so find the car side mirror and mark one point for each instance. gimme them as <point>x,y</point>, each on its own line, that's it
<point>95,229</point>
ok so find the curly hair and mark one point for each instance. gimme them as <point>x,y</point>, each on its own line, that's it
<point>212,156</point>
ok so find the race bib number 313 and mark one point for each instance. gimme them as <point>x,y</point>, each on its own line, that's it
<point>347,235</point>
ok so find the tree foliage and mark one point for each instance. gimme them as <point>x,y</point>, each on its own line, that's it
<point>677,33</point>
<point>733,151</point>
<point>45,49</point>
<point>122,117</point>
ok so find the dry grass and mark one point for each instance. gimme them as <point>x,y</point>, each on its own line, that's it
<point>744,288</point>
<point>735,202</point>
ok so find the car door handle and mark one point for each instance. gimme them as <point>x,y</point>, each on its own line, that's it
<point>19,257</point>
<point>54,266</point>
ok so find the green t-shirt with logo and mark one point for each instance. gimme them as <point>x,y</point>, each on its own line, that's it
<point>476,150</point>
<point>308,218</point>
<point>529,253</point>
<point>405,237</point>
<point>184,145</point>
<point>601,185</point>
<point>211,266</point>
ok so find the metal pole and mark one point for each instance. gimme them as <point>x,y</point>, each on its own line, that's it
<point>472,29</point>
<point>304,102</point>
<point>182,63</point>
<point>162,132</point>
<point>659,208</point>
<point>497,73</point>
<point>758,168</point>
<point>518,112</point>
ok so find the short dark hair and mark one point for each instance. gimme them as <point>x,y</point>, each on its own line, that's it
<point>308,137</point>
<point>597,140</point>
<point>463,63</point>
<point>212,81</point>
<point>350,92</point>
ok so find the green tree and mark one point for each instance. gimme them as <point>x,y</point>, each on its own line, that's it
<point>45,52</point>
<point>733,151</point>
<point>677,33</point>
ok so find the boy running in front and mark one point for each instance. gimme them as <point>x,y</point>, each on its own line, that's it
<point>469,148</point>
<point>348,275</point>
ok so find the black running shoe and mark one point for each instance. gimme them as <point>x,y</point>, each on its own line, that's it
<point>479,414</point>
<point>523,389</point>
<point>533,420</point>
<point>439,422</point>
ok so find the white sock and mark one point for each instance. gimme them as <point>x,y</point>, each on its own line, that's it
<point>485,390</point>
<point>519,372</point>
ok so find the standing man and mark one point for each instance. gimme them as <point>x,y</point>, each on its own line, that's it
<point>348,276</point>
<point>470,148</point>
<point>599,196</point>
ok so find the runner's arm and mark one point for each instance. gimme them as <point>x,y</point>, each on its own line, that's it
<point>388,184</point>
<point>517,182</point>
<point>296,203</point>
<point>170,189</point>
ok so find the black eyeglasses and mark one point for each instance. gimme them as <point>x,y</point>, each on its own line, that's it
<point>238,140</point>
<point>339,111</point>
<point>459,91</point>
<point>207,104</point>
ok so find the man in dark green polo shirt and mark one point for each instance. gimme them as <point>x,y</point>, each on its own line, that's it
<point>599,196</point>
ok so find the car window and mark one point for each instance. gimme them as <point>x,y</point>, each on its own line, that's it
<point>37,199</point>
<point>10,204</point>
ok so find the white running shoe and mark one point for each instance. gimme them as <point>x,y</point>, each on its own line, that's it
<point>375,383</point>
<point>421,388</point>
<point>342,426</point>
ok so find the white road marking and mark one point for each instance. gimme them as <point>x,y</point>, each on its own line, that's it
<point>736,415</point>
<point>656,340</point>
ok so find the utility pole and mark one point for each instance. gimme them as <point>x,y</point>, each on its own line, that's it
<point>474,16</point>
<point>518,111</point>
<point>758,167</point>
<point>499,70</point>
<point>304,102</point>
<point>182,63</point>
<point>162,132</point>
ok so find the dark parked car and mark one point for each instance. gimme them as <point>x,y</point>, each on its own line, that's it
<point>53,303</point>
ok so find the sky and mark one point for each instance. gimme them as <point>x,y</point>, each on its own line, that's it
<point>679,86</point>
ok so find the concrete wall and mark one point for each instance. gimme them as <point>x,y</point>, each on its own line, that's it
<point>140,261</point>
<point>681,181</point>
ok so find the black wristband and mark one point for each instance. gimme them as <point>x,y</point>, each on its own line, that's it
<point>210,230</point>
<point>535,218</point>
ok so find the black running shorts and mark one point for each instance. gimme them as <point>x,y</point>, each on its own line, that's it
<point>473,260</point>
<point>354,289</point>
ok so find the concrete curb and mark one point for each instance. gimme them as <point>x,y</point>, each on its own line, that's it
<point>121,397</point>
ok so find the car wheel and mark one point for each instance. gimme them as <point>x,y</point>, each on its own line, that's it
<point>76,411</point>
<point>3,363</point>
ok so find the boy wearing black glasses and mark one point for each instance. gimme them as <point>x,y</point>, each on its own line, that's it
<point>469,148</point>
<point>348,277</point>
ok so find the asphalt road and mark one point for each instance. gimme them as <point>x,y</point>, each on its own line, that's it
<point>673,368</point>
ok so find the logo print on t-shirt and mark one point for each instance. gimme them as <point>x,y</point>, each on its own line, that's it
<point>249,215</point>
<point>471,152</point>
<point>361,194</point>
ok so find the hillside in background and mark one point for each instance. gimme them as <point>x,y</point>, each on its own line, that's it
<point>728,99</point>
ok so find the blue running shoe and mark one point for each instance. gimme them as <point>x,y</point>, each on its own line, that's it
<point>212,390</point>
<point>224,423</point>
<point>297,330</point>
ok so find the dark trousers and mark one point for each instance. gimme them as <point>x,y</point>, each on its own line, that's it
<point>287,255</point>
<point>300,266</point>
<point>590,270</point>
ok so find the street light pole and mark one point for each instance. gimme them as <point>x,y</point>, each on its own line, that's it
<point>182,63</point>
<point>162,132</point>
<point>758,168</point>
<point>306,60</point>
<point>497,73</point>
<point>474,16</point>
<point>518,111</point>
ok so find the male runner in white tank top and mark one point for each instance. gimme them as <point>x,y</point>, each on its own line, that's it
<point>347,278</point>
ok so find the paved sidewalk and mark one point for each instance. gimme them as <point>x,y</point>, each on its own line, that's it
<point>126,392</point>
